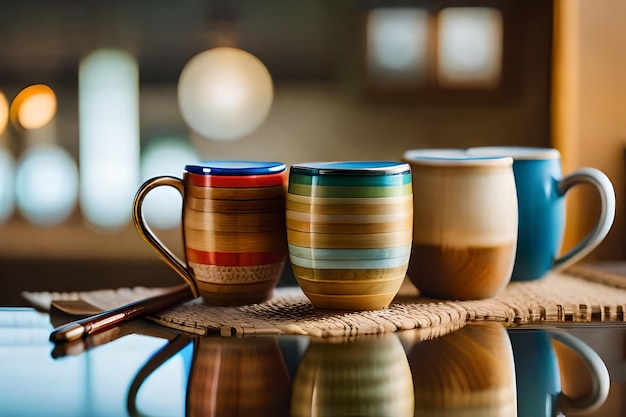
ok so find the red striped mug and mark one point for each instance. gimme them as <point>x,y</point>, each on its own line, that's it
<point>233,229</point>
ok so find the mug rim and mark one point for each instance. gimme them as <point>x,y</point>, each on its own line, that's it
<point>453,157</point>
<point>371,167</point>
<point>235,167</point>
<point>517,152</point>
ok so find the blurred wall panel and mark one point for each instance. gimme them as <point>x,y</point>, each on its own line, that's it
<point>589,115</point>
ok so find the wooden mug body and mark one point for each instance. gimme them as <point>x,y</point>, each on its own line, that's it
<point>464,227</point>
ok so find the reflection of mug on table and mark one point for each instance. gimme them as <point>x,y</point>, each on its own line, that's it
<point>541,190</point>
<point>483,370</point>
<point>469,372</point>
<point>233,229</point>
<point>539,373</point>
<point>366,376</point>
<point>228,376</point>
<point>231,376</point>
<point>464,224</point>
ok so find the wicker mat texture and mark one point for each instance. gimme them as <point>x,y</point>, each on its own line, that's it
<point>579,295</point>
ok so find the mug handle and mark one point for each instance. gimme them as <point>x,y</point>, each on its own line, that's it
<point>171,348</point>
<point>600,182</point>
<point>150,238</point>
<point>596,368</point>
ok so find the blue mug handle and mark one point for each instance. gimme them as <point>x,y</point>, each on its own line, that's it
<point>600,381</point>
<point>603,185</point>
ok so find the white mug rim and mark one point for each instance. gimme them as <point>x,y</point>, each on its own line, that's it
<point>516,152</point>
<point>453,157</point>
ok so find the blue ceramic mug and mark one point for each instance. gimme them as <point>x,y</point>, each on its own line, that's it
<point>540,372</point>
<point>541,189</point>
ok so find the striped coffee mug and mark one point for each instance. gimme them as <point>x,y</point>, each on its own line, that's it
<point>349,228</point>
<point>233,229</point>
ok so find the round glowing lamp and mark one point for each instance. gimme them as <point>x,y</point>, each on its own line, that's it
<point>224,93</point>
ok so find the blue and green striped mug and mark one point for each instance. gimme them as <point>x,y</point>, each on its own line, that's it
<point>349,227</point>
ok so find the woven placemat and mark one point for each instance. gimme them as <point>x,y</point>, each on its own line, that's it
<point>578,295</point>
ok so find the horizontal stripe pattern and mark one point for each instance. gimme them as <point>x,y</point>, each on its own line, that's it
<point>350,263</point>
<point>236,181</point>
<point>234,222</point>
<point>234,258</point>
<point>209,205</point>
<point>339,201</point>
<point>347,254</point>
<point>235,242</point>
<point>342,275</point>
<point>351,288</point>
<point>351,301</point>
<point>349,233</point>
<point>352,228</point>
<point>230,193</point>
<point>350,180</point>
<point>348,209</point>
<point>349,192</point>
<point>349,241</point>
<point>399,216</point>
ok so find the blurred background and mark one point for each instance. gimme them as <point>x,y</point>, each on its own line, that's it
<point>89,108</point>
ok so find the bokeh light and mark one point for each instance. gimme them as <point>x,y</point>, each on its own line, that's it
<point>34,107</point>
<point>108,94</point>
<point>470,46</point>
<point>225,93</point>
<point>4,113</point>
<point>397,39</point>
<point>162,207</point>
<point>46,184</point>
<point>7,184</point>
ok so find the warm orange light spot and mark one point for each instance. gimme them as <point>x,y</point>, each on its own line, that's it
<point>4,113</point>
<point>33,107</point>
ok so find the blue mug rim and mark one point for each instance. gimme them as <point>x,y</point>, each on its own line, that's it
<point>352,168</point>
<point>235,167</point>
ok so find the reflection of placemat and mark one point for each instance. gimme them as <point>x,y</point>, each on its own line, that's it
<point>559,297</point>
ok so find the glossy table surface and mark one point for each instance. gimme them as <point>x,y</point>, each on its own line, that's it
<point>143,369</point>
